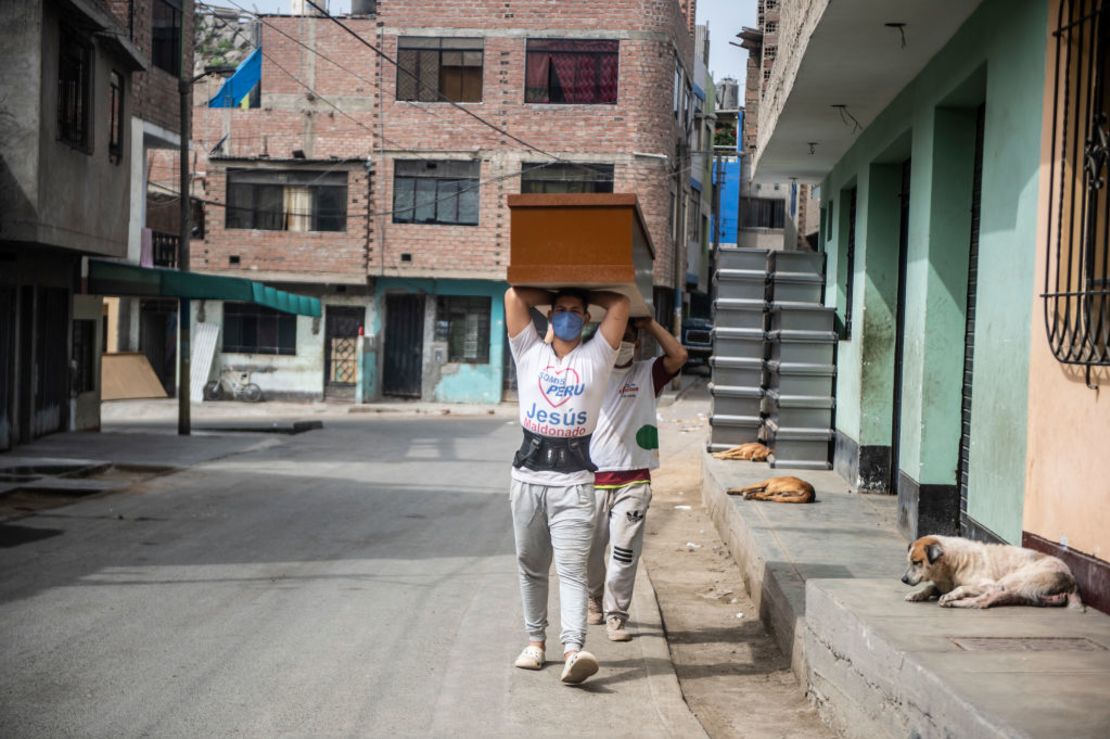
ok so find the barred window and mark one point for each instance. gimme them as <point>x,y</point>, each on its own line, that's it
<point>1077,250</point>
<point>256,329</point>
<point>166,35</point>
<point>463,322</point>
<point>443,192</point>
<point>74,84</point>
<point>762,213</point>
<point>115,120</point>
<point>564,178</point>
<point>439,69</point>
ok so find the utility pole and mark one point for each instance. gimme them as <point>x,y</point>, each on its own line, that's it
<point>184,318</point>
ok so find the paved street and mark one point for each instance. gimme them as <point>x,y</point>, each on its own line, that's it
<point>350,581</point>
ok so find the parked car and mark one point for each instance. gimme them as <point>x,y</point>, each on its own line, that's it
<point>697,338</point>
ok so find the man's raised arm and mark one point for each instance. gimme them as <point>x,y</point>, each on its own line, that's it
<point>616,308</point>
<point>519,302</point>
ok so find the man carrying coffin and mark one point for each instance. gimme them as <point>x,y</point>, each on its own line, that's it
<point>561,386</point>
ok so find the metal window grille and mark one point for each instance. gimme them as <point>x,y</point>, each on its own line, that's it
<point>566,178</point>
<point>1077,283</point>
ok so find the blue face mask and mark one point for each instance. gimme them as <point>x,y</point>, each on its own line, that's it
<point>567,325</point>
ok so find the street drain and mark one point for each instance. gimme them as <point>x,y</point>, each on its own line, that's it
<point>1026,644</point>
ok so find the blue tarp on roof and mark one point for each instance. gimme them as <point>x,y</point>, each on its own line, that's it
<point>239,85</point>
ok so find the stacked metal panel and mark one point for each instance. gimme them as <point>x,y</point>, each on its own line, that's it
<point>739,346</point>
<point>798,403</point>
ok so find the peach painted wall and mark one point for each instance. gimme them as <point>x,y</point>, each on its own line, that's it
<point>1067,476</point>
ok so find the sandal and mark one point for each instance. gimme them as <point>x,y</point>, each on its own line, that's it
<point>530,659</point>
<point>579,666</point>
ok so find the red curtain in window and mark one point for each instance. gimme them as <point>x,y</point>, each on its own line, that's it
<point>610,71</point>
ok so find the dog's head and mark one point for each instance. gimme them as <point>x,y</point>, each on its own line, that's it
<point>924,555</point>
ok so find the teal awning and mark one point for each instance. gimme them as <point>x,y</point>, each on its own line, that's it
<point>117,278</point>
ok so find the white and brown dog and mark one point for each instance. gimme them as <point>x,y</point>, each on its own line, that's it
<point>967,574</point>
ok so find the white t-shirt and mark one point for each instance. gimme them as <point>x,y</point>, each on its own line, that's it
<point>559,397</point>
<point>626,437</point>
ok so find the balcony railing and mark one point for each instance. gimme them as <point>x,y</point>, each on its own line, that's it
<point>165,249</point>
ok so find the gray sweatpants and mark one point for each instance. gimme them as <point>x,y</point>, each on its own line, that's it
<point>618,521</point>
<point>553,520</point>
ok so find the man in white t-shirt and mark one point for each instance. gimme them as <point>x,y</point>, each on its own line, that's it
<point>625,448</point>
<point>560,387</point>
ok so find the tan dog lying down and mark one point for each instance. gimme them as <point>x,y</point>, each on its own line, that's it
<point>967,574</point>
<point>778,490</point>
<point>754,451</point>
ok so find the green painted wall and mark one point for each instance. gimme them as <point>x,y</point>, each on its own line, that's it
<point>451,382</point>
<point>998,55</point>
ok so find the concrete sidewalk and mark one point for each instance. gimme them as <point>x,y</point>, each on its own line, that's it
<point>825,579</point>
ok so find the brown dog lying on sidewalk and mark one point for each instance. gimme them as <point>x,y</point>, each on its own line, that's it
<point>778,490</point>
<point>967,574</point>
<point>754,451</point>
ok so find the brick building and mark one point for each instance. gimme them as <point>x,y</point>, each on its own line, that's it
<point>87,95</point>
<point>355,181</point>
<point>773,214</point>
<point>157,29</point>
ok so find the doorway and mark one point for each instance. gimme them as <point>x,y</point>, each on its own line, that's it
<point>341,350</point>
<point>900,327</point>
<point>158,340</point>
<point>403,350</point>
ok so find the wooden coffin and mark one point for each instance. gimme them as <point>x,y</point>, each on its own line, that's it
<point>596,241</point>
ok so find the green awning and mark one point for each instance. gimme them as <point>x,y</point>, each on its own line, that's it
<point>117,278</point>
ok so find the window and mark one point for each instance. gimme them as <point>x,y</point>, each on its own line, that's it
<point>256,329</point>
<point>84,356</point>
<point>166,35</point>
<point>74,81</point>
<point>556,178</point>
<point>571,71</point>
<point>444,192</point>
<point>762,213</point>
<point>115,121</point>
<point>463,323</point>
<point>1077,250</point>
<point>434,69</point>
<point>273,200</point>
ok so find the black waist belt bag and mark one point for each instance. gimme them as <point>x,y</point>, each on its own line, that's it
<point>553,454</point>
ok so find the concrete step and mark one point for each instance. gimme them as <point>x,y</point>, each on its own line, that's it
<point>881,667</point>
<point>825,579</point>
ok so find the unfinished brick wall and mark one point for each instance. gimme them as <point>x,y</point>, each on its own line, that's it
<point>155,91</point>
<point>294,116</point>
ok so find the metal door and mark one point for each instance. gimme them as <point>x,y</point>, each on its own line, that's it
<point>404,345</point>
<point>52,341</point>
<point>341,349</point>
<point>900,330</point>
<point>969,328</point>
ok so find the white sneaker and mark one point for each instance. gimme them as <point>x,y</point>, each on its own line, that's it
<point>595,614</point>
<point>531,658</point>
<point>579,666</point>
<point>615,627</point>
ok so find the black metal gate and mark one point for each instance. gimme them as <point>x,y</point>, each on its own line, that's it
<point>900,330</point>
<point>969,328</point>
<point>7,365</point>
<point>341,349</point>
<point>404,345</point>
